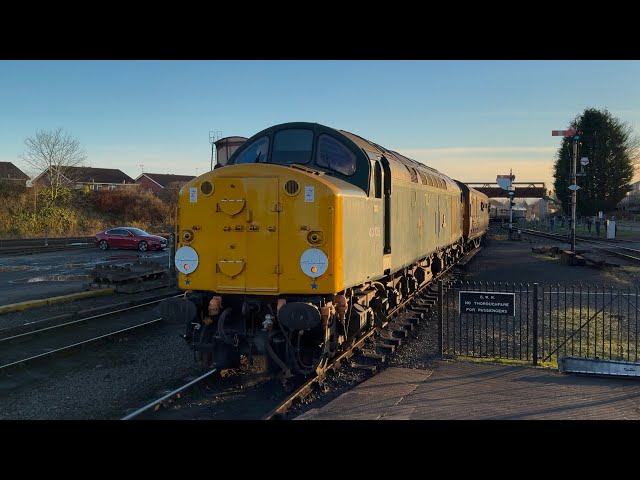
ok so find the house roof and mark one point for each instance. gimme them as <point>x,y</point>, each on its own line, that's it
<point>9,170</point>
<point>94,175</point>
<point>100,175</point>
<point>164,179</point>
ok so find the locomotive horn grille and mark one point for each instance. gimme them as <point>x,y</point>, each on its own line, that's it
<point>206,188</point>
<point>292,187</point>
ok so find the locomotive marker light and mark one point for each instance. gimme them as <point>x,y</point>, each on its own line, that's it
<point>314,262</point>
<point>186,260</point>
<point>573,186</point>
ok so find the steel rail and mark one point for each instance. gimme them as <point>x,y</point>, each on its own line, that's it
<point>78,344</point>
<point>169,395</point>
<point>84,319</point>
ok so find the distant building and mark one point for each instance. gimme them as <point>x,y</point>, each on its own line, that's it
<point>10,173</point>
<point>156,182</point>
<point>538,209</point>
<point>90,177</point>
<point>631,202</point>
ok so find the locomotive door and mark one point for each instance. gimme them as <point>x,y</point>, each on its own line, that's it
<point>386,182</point>
<point>247,248</point>
<point>262,234</point>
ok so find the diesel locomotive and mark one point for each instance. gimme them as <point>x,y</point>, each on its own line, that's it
<point>305,239</point>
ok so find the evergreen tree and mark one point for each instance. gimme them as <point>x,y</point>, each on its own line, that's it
<point>612,149</point>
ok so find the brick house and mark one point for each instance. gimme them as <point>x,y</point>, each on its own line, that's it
<point>92,178</point>
<point>156,182</point>
<point>10,173</point>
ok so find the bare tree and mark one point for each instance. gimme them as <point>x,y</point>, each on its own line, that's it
<point>52,153</point>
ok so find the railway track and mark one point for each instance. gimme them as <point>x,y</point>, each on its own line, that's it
<point>171,395</point>
<point>44,342</point>
<point>10,248</point>
<point>604,246</point>
<point>366,352</point>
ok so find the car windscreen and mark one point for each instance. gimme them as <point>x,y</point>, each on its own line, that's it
<point>137,231</point>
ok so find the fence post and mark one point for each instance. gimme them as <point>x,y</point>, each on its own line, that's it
<point>440,315</point>
<point>535,324</point>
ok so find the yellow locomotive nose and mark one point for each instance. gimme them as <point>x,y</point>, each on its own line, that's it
<point>253,231</point>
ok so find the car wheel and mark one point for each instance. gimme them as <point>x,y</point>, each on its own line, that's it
<point>143,246</point>
<point>103,245</point>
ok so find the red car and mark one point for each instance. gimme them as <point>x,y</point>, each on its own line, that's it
<point>129,237</point>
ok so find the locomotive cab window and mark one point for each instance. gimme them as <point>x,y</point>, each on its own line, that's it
<point>292,146</point>
<point>256,152</point>
<point>375,189</point>
<point>334,155</point>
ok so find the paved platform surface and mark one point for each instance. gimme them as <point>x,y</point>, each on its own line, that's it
<point>479,391</point>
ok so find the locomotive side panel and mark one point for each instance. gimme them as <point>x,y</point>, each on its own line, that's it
<point>362,238</point>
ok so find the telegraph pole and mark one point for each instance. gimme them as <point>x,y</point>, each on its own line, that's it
<point>506,183</point>
<point>573,187</point>
<point>574,192</point>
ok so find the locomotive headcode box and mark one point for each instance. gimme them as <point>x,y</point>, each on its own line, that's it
<point>493,303</point>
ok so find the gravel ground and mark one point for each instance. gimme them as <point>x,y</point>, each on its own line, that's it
<point>120,377</point>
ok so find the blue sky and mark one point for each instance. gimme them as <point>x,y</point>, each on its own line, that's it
<point>470,119</point>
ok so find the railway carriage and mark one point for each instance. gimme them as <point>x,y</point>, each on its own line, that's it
<point>307,237</point>
<point>502,213</point>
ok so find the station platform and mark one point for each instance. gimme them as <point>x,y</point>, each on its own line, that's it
<point>481,391</point>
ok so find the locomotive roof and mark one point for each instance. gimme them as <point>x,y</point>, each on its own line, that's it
<point>420,173</point>
<point>402,167</point>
